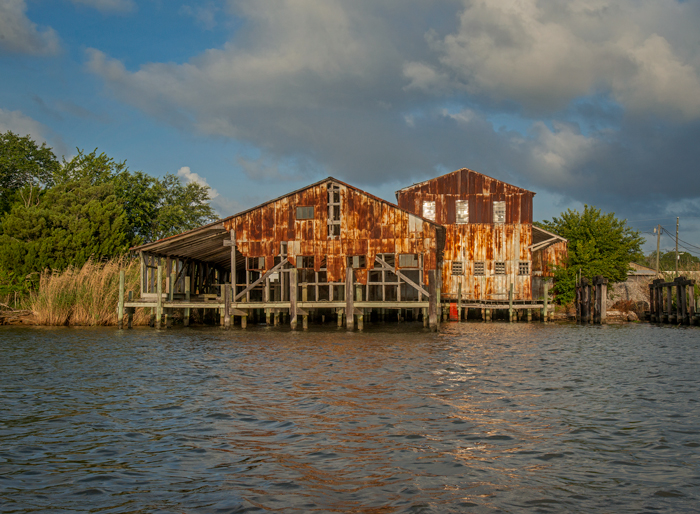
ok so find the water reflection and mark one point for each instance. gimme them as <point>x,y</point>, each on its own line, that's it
<point>493,417</point>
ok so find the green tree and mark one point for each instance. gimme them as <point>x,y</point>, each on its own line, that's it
<point>599,244</point>
<point>25,168</point>
<point>667,261</point>
<point>70,223</point>
<point>155,207</point>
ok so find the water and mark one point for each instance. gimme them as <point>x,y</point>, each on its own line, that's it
<point>479,418</point>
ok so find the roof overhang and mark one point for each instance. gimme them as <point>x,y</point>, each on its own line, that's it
<point>542,238</point>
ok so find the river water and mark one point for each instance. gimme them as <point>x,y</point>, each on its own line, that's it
<point>478,418</point>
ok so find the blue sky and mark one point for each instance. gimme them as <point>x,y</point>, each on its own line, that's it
<point>582,101</point>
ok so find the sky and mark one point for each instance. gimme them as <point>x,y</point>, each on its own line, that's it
<point>591,102</point>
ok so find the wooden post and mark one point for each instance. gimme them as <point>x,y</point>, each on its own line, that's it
<point>604,301</point>
<point>340,317</point>
<point>169,283</point>
<point>432,300</point>
<point>361,315</point>
<point>350,298</point>
<point>510,303</point>
<point>143,273</point>
<point>459,300</point>
<point>670,318</point>
<point>659,302</point>
<point>293,298</point>
<point>186,321</point>
<point>227,305</point>
<point>546,300</point>
<point>130,312</point>
<point>691,302</point>
<point>425,317</point>
<point>159,293</point>
<point>305,298</point>
<point>529,315</point>
<point>652,304</point>
<point>120,308</point>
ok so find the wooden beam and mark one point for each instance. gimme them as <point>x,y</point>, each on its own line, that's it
<point>349,298</point>
<point>293,299</point>
<point>263,277</point>
<point>410,282</point>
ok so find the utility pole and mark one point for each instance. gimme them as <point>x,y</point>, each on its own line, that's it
<point>658,245</point>
<point>677,223</point>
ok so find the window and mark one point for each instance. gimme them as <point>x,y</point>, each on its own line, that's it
<point>256,263</point>
<point>408,260</point>
<point>429,210</point>
<point>523,268</point>
<point>305,213</point>
<point>500,268</point>
<point>499,212</point>
<point>479,268</point>
<point>462,208</point>
<point>457,268</point>
<point>333,210</point>
<point>357,261</point>
<point>305,261</point>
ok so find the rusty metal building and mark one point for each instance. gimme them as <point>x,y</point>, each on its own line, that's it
<point>327,246</point>
<point>490,242</point>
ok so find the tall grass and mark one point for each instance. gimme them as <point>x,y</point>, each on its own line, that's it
<point>85,296</point>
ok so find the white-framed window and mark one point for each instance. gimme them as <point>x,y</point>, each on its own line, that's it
<point>429,210</point>
<point>499,212</point>
<point>462,209</point>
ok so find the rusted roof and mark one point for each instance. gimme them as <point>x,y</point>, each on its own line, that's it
<point>420,184</point>
<point>210,237</point>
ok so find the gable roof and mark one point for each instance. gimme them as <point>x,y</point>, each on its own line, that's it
<point>209,237</point>
<point>421,184</point>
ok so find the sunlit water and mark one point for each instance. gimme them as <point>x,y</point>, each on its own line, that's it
<point>478,418</point>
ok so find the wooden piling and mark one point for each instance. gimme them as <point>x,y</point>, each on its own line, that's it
<point>546,299</point>
<point>459,301</point>
<point>510,303</point>
<point>186,320</point>
<point>120,308</point>
<point>293,299</point>
<point>305,298</point>
<point>227,305</point>
<point>130,312</point>
<point>350,298</point>
<point>159,297</point>
<point>432,301</point>
<point>361,314</point>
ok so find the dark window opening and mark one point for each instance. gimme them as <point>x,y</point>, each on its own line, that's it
<point>500,268</point>
<point>305,262</point>
<point>256,263</point>
<point>408,260</point>
<point>523,268</point>
<point>479,268</point>
<point>357,261</point>
<point>457,268</point>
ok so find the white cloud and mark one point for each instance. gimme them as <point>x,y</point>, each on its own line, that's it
<point>22,125</point>
<point>191,177</point>
<point>18,34</point>
<point>119,6</point>
<point>545,53</point>
<point>204,15</point>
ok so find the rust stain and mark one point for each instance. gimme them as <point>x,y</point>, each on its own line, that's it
<point>499,247</point>
<point>369,226</point>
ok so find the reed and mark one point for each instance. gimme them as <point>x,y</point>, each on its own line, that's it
<point>85,296</point>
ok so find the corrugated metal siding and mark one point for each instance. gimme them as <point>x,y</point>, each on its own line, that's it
<point>480,239</point>
<point>368,226</point>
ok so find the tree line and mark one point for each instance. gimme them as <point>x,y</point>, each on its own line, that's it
<point>60,213</point>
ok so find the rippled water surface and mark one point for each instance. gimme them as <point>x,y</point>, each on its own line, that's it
<point>478,418</point>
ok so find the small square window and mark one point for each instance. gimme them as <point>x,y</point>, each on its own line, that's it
<point>305,213</point>
<point>408,260</point>
<point>305,261</point>
<point>462,208</point>
<point>429,210</point>
<point>357,261</point>
<point>457,268</point>
<point>500,268</point>
<point>479,268</point>
<point>499,212</point>
<point>523,268</point>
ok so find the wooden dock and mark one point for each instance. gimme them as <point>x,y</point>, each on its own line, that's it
<point>673,302</point>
